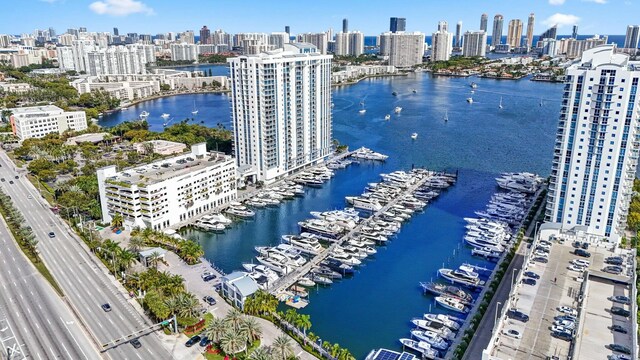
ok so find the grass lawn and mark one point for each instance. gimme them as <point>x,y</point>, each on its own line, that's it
<point>208,317</point>
<point>221,355</point>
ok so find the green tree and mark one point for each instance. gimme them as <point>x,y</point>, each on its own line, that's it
<point>282,347</point>
<point>250,329</point>
<point>117,220</point>
<point>232,342</point>
<point>215,329</point>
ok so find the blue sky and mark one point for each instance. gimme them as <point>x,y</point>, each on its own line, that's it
<point>608,17</point>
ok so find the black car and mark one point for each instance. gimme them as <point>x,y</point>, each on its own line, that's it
<point>209,300</point>
<point>613,269</point>
<point>192,341</point>
<point>517,315</point>
<point>620,299</point>
<point>209,277</point>
<point>614,261</point>
<point>106,307</point>
<point>10,181</point>
<point>617,310</point>
<point>576,244</point>
<point>563,335</point>
<point>541,259</point>
<point>529,281</point>
<point>619,328</point>
<point>585,245</point>
<point>566,317</point>
<point>17,177</point>
<point>52,234</point>
<point>532,275</point>
<point>204,341</point>
<point>583,253</point>
<point>619,348</point>
<point>2,180</point>
<point>136,343</point>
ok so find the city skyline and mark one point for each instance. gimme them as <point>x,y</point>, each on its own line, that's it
<point>152,16</point>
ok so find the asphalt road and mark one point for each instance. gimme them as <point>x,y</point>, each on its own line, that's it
<point>81,275</point>
<point>33,319</point>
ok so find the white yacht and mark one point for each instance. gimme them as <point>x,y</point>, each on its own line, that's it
<point>241,212</point>
<point>500,105</point>
<point>444,319</point>
<point>144,115</point>
<point>464,275</point>
<point>437,327</point>
<point>276,262</point>
<point>436,341</point>
<point>165,116</point>
<point>420,346</point>
<point>194,111</point>
<point>306,244</point>
<point>362,111</point>
<point>387,117</point>
<point>397,110</point>
<point>345,259</point>
<point>364,203</point>
<point>452,304</point>
<point>322,228</point>
<point>219,218</point>
<point>470,100</point>
<point>414,136</point>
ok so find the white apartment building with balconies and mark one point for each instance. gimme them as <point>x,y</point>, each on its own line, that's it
<point>281,110</point>
<point>169,191</point>
<point>597,144</point>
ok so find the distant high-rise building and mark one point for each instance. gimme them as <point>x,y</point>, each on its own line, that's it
<point>183,51</point>
<point>404,49</point>
<point>52,32</point>
<point>287,29</point>
<point>351,43</point>
<point>345,25</point>
<point>116,32</point>
<point>319,40</point>
<point>496,36</point>
<point>596,149</point>
<point>281,126</point>
<point>631,40</point>
<point>82,29</point>
<point>458,34</point>
<point>474,43</point>
<point>530,24</point>
<point>484,19</point>
<point>574,33</point>
<point>514,33</point>
<point>397,24</point>
<point>441,43</point>
<point>278,39</point>
<point>205,35</point>
<point>550,33</point>
<point>74,32</point>
<point>187,37</point>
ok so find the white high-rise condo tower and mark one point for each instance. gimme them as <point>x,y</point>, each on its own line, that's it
<point>596,151</point>
<point>281,109</point>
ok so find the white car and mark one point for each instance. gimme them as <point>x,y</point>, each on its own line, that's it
<point>568,310</point>
<point>559,328</point>
<point>565,324</point>
<point>544,246</point>
<point>574,267</point>
<point>540,253</point>
<point>580,262</point>
<point>512,333</point>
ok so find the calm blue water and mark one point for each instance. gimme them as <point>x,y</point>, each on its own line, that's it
<point>373,308</point>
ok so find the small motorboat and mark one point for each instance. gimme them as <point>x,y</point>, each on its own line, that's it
<point>397,110</point>
<point>470,100</point>
<point>387,117</point>
<point>414,136</point>
<point>165,116</point>
<point>394,93</point>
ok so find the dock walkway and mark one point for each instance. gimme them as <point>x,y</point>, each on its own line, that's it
<point>288,280</point>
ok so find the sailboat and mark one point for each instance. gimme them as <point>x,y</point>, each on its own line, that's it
<point>195,111</point>
<point>500,106</point>
<point>446,115</point>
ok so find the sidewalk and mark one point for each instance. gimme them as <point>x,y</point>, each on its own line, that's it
<point>200,288</point>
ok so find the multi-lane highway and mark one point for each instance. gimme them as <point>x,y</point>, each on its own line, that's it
<point>81,276</point>
<point>34,321</point>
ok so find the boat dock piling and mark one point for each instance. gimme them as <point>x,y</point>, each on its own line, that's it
<point>290,279</point>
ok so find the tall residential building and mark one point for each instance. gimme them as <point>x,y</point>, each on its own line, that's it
<point>530,24</point>
<point>474,43</point>
<point>484,19</point>
<point>345,25</point>
<point>281,110</point>
<point>39,121</point>
<point>441,43</point>
<point>514,33</point>
<point>404,49</point>
<point>184,51</point>
<point>287,29</point>
<point>116,32</point>
<point>496,36</point>
<point>596,151</point>
<point>5,40</point>
<point>631,39</point>
<point>397,24</point>
<point>169,191</point>
<point>65,58</point>
<point>82,29</point>
<point>319,40</point>
<point>205,35</point>
<point>80,49</point>
<point>550,33</point>
<point>574,32</point>
<point>278,39</point>
<point>574,48</point>
<point>219,37</point>
<point>351,43</point>
<point>458,34</point>
<point>120,60</point>
<point>187,37</point>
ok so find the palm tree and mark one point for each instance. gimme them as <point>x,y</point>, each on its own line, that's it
<point>153,259</point>
<point>290,316</point>
<point>232,342</point>
<point>126,258</point>
<point>172,304</point>
<point>250,329</point>
<point>190,251</point>
<point>282,347</point>
<point>136,243</point>
<point>335,349</point>
<point>234,318</point>
<point>261,353</point>
<point>117,220</point>
<point>215,329</point>
<point>304,323</point>
<point>188,305</point>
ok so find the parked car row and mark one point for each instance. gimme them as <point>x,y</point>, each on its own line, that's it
<point>565,324</point>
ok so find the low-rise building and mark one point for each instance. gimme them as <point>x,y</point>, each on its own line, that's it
<point>237,287</point>
<point>13,87</point>
<point>166,192</point>
<point>161,147</point>
<point>349,73</point>
<point>123,90</point>
<point>38,121</point>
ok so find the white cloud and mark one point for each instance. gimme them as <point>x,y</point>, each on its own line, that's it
<point>561,20</point>
<point>556,2</point>
<point>120,7</point>
<point>597,1</point>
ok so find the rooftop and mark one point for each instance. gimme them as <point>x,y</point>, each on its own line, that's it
<point>162,170</point>
<point>244,283</point>
<point>91,137</point>
<point>25,111</point>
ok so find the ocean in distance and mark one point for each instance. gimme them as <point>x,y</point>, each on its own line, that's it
<point>480,141</point>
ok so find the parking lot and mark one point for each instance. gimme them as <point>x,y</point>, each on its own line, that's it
<point>561,283</point>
